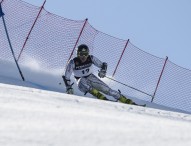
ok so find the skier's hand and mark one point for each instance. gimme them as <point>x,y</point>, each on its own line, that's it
<point>102,73</point>
<point>69,91</point>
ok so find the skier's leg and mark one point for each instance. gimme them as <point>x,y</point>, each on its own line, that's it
<point>85,86</point>
<point>117,95</point>
<point>94,86</point>
<point>98,84</point>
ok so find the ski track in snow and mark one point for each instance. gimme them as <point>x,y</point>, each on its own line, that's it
<point>34,117</point>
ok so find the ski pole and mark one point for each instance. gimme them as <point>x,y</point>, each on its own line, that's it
<point>6,31</point>
<point>129,86</point>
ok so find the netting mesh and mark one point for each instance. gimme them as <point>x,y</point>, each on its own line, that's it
<point>140,70</point>
<point>174,89</point>
<point>19,17</point>
<point>108,49</point>
<point>53,39</point>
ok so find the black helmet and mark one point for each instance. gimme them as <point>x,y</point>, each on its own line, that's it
<point>82,50</point>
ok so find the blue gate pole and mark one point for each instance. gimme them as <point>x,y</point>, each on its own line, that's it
<point>2,15</point>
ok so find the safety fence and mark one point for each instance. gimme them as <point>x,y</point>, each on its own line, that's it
<point>49,40</point>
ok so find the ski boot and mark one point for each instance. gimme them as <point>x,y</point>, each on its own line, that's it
<point>123,99</point>
<point>97,94</point>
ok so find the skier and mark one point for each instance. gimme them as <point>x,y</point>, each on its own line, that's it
<point>82,68</point>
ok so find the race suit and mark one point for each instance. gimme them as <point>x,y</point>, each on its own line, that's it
<point>86,80</point>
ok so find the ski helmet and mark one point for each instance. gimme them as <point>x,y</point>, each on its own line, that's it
<point>82,50</point>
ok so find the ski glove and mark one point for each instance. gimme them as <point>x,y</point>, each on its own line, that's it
<point>102,72</point>
<point>69,89</point>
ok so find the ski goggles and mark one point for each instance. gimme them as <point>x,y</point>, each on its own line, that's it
<point>80,54</point>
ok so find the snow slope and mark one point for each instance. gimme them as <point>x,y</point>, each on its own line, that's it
<point>34,117</point>
<point>37,113</point>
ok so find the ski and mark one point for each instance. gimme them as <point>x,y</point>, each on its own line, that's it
<point>143,105</point>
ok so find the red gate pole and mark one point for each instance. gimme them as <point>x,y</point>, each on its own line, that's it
<point>31,30</point>
<point>78,39</point>
<point>159,79</point>
<point>120,57</point>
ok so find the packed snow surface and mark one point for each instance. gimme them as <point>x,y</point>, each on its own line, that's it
<point>34,117</point>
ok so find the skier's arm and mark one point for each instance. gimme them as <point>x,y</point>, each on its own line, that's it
<point>101,65</point>
<point>67,75</point>
<point>96,61</point>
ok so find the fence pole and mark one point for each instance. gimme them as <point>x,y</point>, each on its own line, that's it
<point>2,15</point>
<point>159,79</point>
<point>31,30</point>
<point>120,57</point>
<point>78,39</point>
